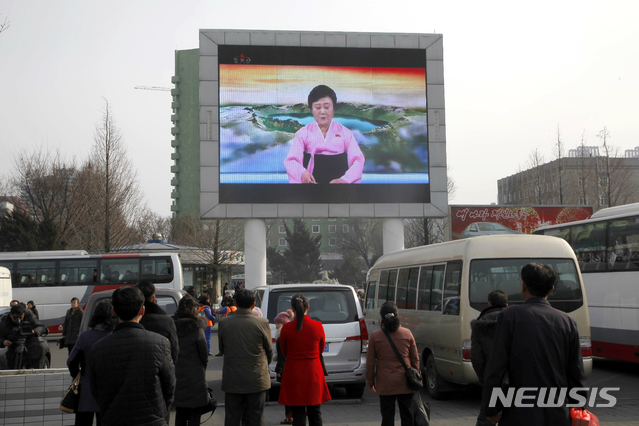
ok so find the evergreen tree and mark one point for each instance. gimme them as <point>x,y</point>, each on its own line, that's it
<point>19,232</point>
<point>300,262</point>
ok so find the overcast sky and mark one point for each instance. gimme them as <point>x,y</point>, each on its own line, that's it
<point>513,72</point>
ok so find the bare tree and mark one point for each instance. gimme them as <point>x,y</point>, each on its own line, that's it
<point>559,154</point>
<point>119,197</point>
<point>424,231</point>
<point>363,241</point>
<point>48,185</point>
<point>615,182</point>
<point>5,25</point>
<point>537,174</point>
<point>216,243</point>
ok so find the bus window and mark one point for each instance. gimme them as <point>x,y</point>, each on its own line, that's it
<point>423,291</point>
<point>402,288</point>
<point>407,288</point>
<point>78,272</point>
<point>124,270</point>
<point>158,270</point>
<point>623,244</point>
<point>437,287</point>
<point>411,298</point>
<point>589,244</point>
<point>392,283</point>
<point>370,295</point>
<point>383,288</point>
<point>452,288</point>
<point>36,274</point>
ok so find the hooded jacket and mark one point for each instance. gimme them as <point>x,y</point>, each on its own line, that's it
<point>482,337</point>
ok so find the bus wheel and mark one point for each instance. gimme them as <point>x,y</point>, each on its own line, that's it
<point>433,379</point>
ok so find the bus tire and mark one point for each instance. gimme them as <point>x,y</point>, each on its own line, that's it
<point>433,379</point>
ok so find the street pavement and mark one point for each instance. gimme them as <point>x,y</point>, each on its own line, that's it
<point>460,408</point>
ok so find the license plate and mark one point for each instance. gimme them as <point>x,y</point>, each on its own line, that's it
<point>326,347</point>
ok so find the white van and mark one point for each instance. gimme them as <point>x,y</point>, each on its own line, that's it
<point>340,312</point>
<point>439,289</point>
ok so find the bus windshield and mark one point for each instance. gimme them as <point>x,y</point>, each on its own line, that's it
<point>487,275</point>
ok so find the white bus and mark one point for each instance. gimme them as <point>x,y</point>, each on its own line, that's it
<point>607,248</point>
<point>51,278</point>
<point>439,289</point>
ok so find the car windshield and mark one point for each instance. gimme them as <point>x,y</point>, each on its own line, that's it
<point>330,306</point>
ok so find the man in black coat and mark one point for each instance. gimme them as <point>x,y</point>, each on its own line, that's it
<point>21,316</point>
<point>538,347</point>
<point>71,326</point>
<point>132,375</point>
<point>482,337</point>
<point>156,320</point>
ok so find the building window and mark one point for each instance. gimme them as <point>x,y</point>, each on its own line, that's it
<point>332,242</point>
<point>282,229</point>
<point>282,242</point>
<point>315,220</point>
<point>602,201</point>
<point>332,229</point>
<point>332,220</point>
<point>580,181</point>
<point>345,229</point>
<point>315,229</point>
<point>583,201</point>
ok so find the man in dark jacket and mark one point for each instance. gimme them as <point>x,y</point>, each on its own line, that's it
<point>156,320</point>
<point>21,316</point>
<point>71,327</point>
<point>483,334</point>
<point>245,341</point>
<point>538,347</point>
<point>132,373</point>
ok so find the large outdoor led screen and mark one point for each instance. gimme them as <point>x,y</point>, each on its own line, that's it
<point>370,146</point>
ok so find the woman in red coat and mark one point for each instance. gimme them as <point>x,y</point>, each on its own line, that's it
<point>303,384</point>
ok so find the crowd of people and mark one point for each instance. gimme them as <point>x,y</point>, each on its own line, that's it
<point>135,361</point>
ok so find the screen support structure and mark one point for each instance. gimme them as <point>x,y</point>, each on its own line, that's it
<point>393,235</point>
<point>255,253</point>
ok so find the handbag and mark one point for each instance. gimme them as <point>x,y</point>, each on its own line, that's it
<point>211,405</point>
<point>420,410</point>
<point>414,378</point>
<point>71,398</point>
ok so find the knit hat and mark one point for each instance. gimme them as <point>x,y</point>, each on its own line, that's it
<point>283,317</point>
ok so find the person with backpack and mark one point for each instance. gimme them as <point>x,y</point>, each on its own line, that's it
<point>227,310</point>
<point>204,311</point>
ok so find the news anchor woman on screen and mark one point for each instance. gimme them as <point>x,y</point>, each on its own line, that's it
<point>324,151</point>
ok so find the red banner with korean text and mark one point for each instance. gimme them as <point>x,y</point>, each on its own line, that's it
<point>470,221</point>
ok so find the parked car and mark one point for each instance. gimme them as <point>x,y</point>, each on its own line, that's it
<point>486,228</point>
<point>166,298</point>
<point>340,312</point>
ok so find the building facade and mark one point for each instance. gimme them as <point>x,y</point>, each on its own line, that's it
<point>585,177</point>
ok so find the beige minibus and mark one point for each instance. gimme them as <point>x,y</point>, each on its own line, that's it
<point>439,289</point>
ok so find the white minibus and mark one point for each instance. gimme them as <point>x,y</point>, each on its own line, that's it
<point>439,289</point>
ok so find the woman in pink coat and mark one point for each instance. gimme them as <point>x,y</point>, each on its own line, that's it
<point>389,379</point>
<point>304,387</point>
<point>324,151</point>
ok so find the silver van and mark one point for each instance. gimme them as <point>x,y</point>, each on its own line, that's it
<point>339,310</point>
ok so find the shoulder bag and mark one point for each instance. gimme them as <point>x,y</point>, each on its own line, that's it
<point>71,397</point>
<point>414,378</point>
